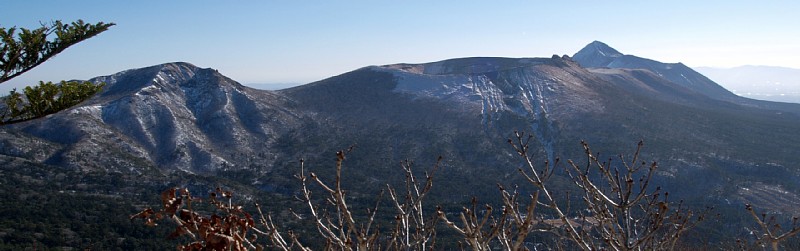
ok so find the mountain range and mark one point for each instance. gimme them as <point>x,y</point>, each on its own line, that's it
<point>772,83</point>
<point>159,125</point>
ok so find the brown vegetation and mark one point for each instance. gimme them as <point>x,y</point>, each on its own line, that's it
<point>621,211</point>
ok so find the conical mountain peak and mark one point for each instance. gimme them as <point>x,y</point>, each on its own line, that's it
<point>603,49</point>
<point>596,54</point>
<point>599,55</point>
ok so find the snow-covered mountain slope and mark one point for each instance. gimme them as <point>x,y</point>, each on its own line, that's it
<point>541,90</point>
<point>171,115</point>
<point>490,85</point>
<point>555,98</point>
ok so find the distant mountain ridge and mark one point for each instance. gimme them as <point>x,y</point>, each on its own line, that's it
<point>770,83</point>
<point>271,86</point>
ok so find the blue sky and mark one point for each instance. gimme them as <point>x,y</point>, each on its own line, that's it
<point>305,41</point>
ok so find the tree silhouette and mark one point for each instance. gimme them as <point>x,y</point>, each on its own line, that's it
<point>21,52</point>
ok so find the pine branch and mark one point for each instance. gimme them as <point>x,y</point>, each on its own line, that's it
<point>21,52</point>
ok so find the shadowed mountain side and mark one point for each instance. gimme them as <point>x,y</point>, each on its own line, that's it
<point>434,107</point>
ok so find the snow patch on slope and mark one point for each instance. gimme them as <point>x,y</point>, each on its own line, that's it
<point>430,85</point>
<point>542,93</point>
<point>92,110</point>
<point>471,92</point>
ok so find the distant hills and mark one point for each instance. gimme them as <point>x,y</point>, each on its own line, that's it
<point>176,124</point>
<point>271,86</point>
<point>758,82</point>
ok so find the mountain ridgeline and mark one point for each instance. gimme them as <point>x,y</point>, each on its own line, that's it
<point>759,82</point>
<point>713,147</point>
